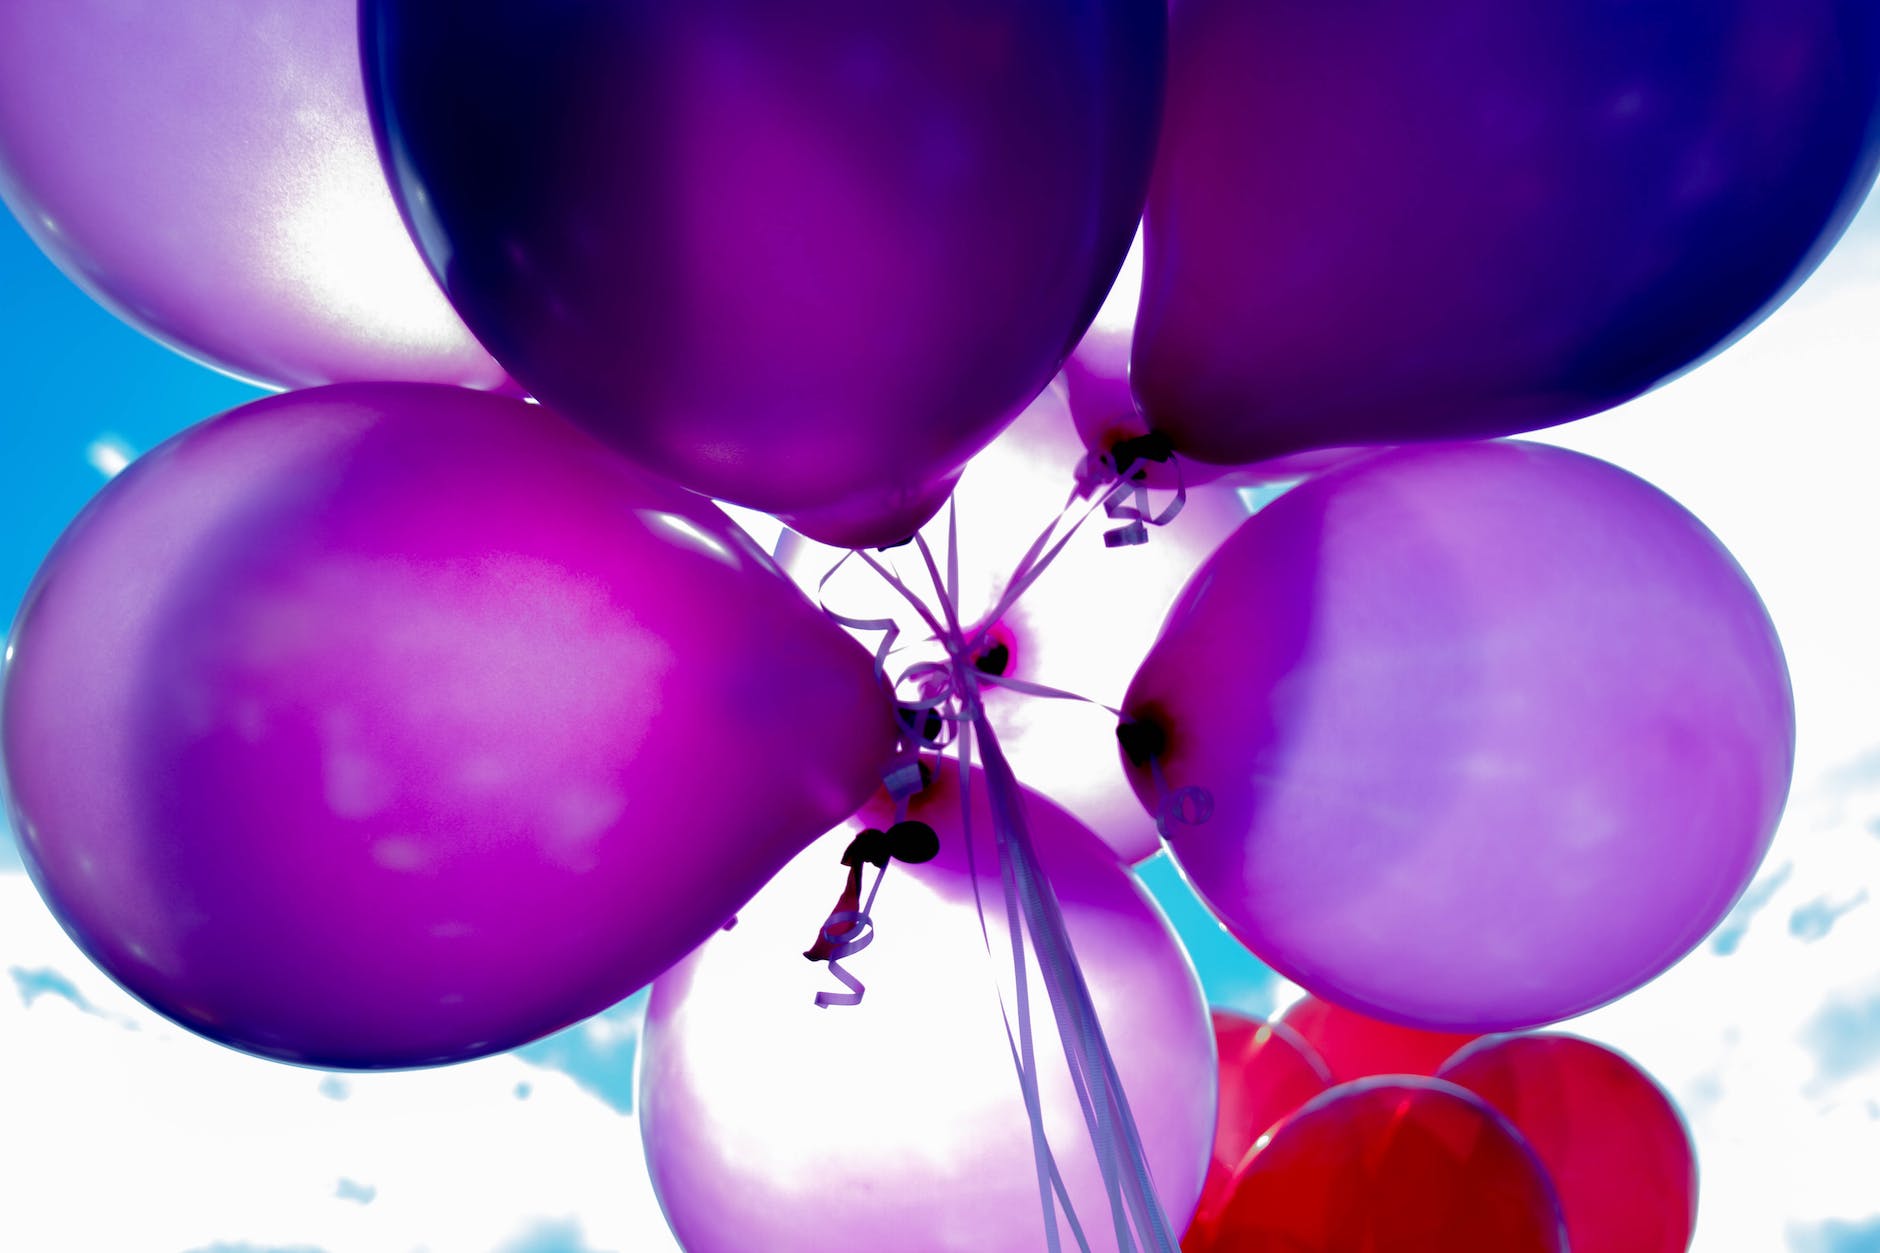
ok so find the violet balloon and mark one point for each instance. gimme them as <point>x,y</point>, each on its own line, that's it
<point>207,171</point>
<point>805,257</point>
<point>897,1123</point>
<point>1080,628</point>
<point>389,725</point>
<point>1494,733</point>
<point>1402,220</point>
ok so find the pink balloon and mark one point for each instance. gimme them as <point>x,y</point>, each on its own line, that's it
<point>1389,1166</point>
<point>388,725</point>
<point>1616,1147</point>
<point>897,1123</point>
<point>207,171</point>
<point>1494,733</point>
<point>1357,1047</point>
<point>1080,628</point>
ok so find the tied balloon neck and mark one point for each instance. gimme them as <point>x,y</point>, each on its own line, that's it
<point>1142,740</point>
<point>1123,472</point>
<point>1145,743</point>
<point>926,727</point>
<point>850,927</point>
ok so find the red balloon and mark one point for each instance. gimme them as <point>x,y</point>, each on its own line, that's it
<point>1267,1072</point>
<point>1356,1047</point>
<point>1397,1165</point>
<point>1617,1148</point>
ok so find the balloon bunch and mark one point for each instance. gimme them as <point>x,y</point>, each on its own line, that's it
<point>1331,1136</point>
<point>390,723</point>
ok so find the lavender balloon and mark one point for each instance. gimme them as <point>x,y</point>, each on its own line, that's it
<point>389,725</point>
<point>897,1123</point>
<point>1394,220</point>
<point>806,257</point>
<point>207,171</point>
<point>1494,733</point>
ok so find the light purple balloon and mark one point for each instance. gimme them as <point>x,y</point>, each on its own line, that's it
<point>208,172</point>
<point>1494,733</point>
<point>388,725</point>
<point>897,1123</point>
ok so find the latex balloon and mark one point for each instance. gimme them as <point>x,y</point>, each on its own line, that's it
<point>207,171</point>
<point>1389,1166</point>
<point>897,1123</point>
<point>1267,1072</point>
<point>1356,1046</point>
<point>1615,1146</point>
<point>799,256</point>
<point>1093,608</point>
<point>1402,220</point>
<point>388,725</point>
<point>1494,733</point>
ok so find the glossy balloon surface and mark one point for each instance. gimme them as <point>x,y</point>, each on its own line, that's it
<point>1267,1072</point>
<point>1082,627</point>
<point>1614,1145</point>
<point>1389,1166</point>
<point>897,1123</point>
<point>388,725</point>
<point>1355,1046</point>
<point>799,256</point>
<point>1398,220</point>
<point>207,171</point>
<point>1494,733</point>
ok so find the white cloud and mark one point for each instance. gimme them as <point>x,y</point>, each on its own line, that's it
<point>125,1133</point>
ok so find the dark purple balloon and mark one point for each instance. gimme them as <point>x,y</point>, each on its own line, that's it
<point>1394,220</point>
<point>206,170</point>
<point>388,725</point>
<point>806,257</point>
<point>1494,732</point>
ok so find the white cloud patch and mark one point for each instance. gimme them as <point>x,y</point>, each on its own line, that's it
<point>123,1132</point>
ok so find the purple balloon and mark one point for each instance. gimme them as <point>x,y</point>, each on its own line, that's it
<point>798,256</point>
<point>207,171</point>
<point>897,1123</point>
<point>1395,220</point>
<point>389,725</point>
<point>1494,733</point>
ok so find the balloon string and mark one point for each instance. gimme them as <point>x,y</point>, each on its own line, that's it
<point>1191,806</point>
<point>1128,501</point>
<point>1036,561</point>
<point>1024,1058</point>
<point>855,924</point>
<point>1085,1048</point>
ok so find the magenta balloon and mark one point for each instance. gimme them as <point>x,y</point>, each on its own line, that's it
<point>1082,627</point>
<point>207,171</point>
<point>898,1123</point>
<point>1494,733</point>
<point>388,725</point>
<point>1392,220</point>
<point>796,255</point>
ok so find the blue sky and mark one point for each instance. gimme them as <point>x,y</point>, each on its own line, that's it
<point>124,1133</point>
